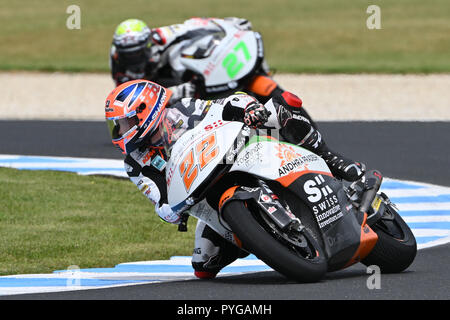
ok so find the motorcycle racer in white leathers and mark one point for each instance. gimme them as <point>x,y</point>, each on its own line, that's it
<point>140,116</point>
<point>138,52</point>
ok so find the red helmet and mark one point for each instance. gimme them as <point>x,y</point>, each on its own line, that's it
<point>133,112</point>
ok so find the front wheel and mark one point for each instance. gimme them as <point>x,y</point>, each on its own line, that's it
<point>296,256</point>
<point>396,246</point>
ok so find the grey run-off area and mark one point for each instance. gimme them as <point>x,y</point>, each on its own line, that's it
<point>81,96</point>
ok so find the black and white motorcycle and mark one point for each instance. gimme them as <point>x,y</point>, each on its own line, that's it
<point>281,203</point>
<point>221,62</point>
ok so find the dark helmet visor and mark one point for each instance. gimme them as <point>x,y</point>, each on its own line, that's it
<point>120,128</point>
<point>134,55</point>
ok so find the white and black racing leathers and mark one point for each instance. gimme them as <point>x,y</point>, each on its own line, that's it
<point>146,166</point>
<point>160,66</point>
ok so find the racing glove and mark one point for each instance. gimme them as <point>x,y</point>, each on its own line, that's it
<point>256,115</point>
<point>165,212</point>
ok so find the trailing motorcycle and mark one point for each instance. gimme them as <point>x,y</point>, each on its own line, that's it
<point>281,203</point>
<point>222,62</point>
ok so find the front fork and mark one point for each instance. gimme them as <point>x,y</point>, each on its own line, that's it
<point>269,203</point>
<point>279,214</point>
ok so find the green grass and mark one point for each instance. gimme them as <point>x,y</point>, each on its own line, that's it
<point>51,220</point>
<point>324,36</point>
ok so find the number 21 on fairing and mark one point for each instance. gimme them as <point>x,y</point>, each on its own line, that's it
<point>204,151</point>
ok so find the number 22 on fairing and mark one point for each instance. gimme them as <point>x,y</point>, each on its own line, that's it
<point>205,151</point>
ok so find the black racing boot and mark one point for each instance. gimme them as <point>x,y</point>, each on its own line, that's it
<point>340,166</point>
<point>299,129</point>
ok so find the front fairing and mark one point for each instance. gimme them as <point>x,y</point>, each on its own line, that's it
<point>195,153</point>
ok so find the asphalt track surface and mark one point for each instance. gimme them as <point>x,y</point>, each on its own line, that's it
<point>416,151</point>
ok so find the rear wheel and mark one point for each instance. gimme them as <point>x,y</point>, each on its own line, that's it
<point>396,247</point>
<point>296,255</point>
